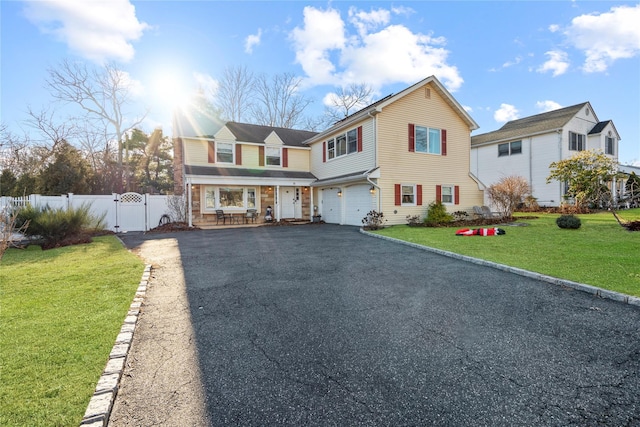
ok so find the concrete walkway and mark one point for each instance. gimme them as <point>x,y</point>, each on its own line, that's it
<point>322,325</point>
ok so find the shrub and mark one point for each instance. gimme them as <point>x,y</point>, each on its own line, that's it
<point>508,193</point>
<point>437,214</point>
<point>54,226</point>
<point>568,221</point>
<point>374,220</point>
<point>413,221</point>
<point>460,216</point>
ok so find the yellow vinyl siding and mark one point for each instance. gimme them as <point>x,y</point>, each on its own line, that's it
<point>298,159</point>
<point>195,151</point>
<point>399,166</point>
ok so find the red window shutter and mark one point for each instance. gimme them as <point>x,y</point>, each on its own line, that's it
<point>456,194</point>
<point>419,195</point>
<point>398,195</point>
<point>324,151</point>
<point>211,152</point>
<point>285,157</point>
<point>412,137</point>
<point>359,139</point>
<point>443,141</point>
<point>438,193</point>
<point>238,154</point>
<point>260,156</point>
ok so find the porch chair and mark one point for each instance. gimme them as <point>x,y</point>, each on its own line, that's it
<point>220,215</point>
<point>486,212</point>
<point>251,215</point>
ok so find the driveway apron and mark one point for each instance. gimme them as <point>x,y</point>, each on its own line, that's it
<point>321,325</point>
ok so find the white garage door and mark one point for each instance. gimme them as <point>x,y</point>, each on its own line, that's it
<point>358,201</point>
<point>331,206</point>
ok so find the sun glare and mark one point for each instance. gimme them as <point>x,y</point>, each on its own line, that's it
<point>169,90</point>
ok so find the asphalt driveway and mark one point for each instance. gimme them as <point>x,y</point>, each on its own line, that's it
<point>322,325</point>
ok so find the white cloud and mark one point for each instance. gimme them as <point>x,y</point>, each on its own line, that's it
<point>606,37</point>
<point>516,61</point>
<point>368,21</point>
<point>97,30</point>
<point>558,63</point>
<point>252,40</point>
<point>505,113</point>
<point>323,31</point>
<point>329,54</point>
<point>467,109</point>
<point>554,28</point>
<point>547,105</point>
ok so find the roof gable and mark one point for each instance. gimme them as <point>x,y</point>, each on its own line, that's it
<point>531,125</point>
<point>258,134</point>
<point>379,105</point>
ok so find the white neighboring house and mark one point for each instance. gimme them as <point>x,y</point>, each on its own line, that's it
<point>526,147</point>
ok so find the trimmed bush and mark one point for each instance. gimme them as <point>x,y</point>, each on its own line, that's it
<point>374,220</point>
<point>437,215</point>
<point>568,221</point>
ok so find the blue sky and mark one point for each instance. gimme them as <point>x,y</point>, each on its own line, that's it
<point>501,60</point>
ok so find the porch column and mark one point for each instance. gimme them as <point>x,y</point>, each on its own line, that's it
<point>277,203</point>
<point>311,211</point>
<point>190,208</point>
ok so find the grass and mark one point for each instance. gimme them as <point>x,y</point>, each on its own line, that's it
<point>600,253</point>
<point>60,313</point>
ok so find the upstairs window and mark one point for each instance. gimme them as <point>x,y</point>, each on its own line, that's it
<point>343,144</point>
<point>224,153</point>
<point>609,144</point>
<point>576,141</point>
<point>272,156</point>
<point>510,148</point>
<point>427,140</point>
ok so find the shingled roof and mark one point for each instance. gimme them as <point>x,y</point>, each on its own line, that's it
<point>246,132</point>
<point>531,125</point>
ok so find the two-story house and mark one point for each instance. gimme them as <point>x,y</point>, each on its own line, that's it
<point>244,166</point>
<point>395,156</point>
<point>526,147</point>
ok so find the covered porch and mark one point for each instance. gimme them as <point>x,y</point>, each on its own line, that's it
<point>241,197</point>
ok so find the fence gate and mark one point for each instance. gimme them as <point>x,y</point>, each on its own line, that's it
<point>131,212</point>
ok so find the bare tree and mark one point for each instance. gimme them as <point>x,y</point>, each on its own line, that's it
<point>347,101</point>
<point>103,94</point>
<point>508,193</point>
<point>235,93</point>
<point>278,101</point>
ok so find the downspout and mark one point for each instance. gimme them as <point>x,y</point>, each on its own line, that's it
<point>375,157</point>
<point>277,203</point>
<point>531,164</point>
<point>561,196</point>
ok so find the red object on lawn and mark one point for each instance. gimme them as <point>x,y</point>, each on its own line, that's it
<point>480,232</point>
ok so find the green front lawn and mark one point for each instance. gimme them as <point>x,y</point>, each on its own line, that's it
<point>60,313</point>
<point>600,253</point>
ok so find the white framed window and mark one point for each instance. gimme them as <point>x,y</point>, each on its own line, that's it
<point>447,194</point>
<point>229,198</point>
<point>343,144</point>
<point>576,141</point>
<point>251,198</point>
<point>331,149</point>
<point>510,148</point>
<point>224,152</point>
<point>352,141</point>
<point>609,144</point>
<point>408,195</point>
<point>273,156</point>
<point>427,140</point>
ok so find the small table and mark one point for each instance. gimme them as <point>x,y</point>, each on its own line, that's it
<point>235,217</point>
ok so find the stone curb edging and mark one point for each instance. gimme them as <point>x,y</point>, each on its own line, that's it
<point>602,293</point>
<point>101,403</point>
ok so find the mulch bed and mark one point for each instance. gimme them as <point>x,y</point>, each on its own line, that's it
<point>632,226</point>
<point>171,227</point>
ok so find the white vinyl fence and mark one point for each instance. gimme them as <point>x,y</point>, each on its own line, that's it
<point>123,212</point>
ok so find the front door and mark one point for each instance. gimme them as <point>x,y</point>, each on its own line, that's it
<point>290,206</point>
